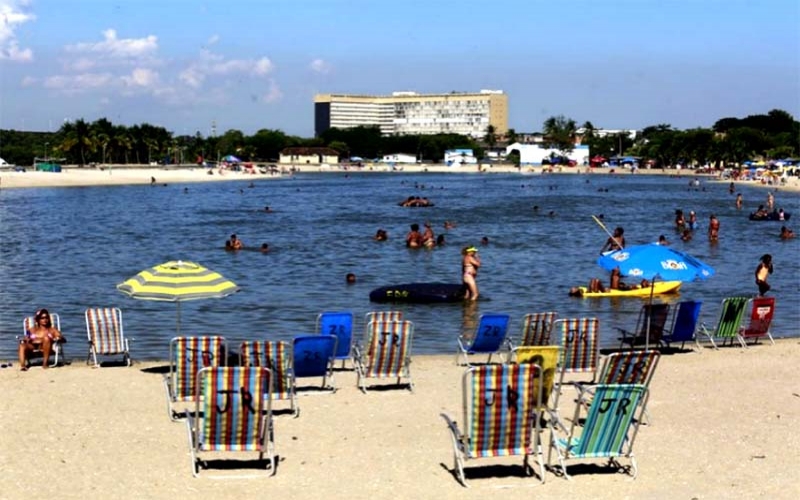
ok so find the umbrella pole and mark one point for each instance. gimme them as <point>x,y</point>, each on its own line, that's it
<point>650,314</point>
<point>178,326</point>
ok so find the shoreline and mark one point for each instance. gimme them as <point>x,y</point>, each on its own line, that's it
<point>116,175</point>
<point>111,433</point>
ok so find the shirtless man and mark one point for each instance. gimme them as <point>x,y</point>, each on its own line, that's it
<point>428,238</point>
<point>414,238</point>
<point>470,263</point>
<point>615,242</point>
<point>713,229</point>
<point>763,270</point>
<point>786,233</point>
<point>40,337</point>
<point>236,243</point>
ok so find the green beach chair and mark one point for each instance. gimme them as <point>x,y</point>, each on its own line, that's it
<point>386,353</point>
<point>277,356</point>
<point>730,320</point>
<point>501,418</point>
<point>187,356</point>
<point>232,414</point>
<point>609,430</point>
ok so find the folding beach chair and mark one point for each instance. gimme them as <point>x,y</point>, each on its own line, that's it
<point>232,414</point>
<point>488,338</point>
<point>106,336</point>
<point>56,348</point>
<point>312,356</point>
<point>649,326</point>
<point>730,320</point>
<point>609,430</point>
<point>684,323</point>
<point>339,324</point>
<point>536,328</point>
<point>762,309</point>
<point>630,367</point>
<point>277,356</point>
<point>386,353</point>
<point>546,357</point>
<point>579,349</point>
<point>501,416</point>
<point>381,317</point>
<point>187,356</point>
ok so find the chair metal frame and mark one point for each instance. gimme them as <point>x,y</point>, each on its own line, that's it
<point>657,314</point>
<point>311,358</point>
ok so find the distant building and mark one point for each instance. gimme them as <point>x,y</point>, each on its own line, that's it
<point>399,158</point>
<point>308,156</point>
<point>458,157</point>
<point>409,113</point>
<point>532,154</point>
<point>605,132</point>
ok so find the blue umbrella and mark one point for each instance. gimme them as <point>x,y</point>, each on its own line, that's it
<point>654,261</point>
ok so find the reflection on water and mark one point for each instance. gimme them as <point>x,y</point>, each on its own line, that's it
<point>67,248</point>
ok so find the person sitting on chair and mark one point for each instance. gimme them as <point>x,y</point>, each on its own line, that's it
<point>41,337</point>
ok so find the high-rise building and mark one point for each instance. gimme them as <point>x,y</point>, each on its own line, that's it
<point>405,113</point>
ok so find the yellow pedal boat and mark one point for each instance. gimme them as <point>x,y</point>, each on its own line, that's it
<point>659,288</point>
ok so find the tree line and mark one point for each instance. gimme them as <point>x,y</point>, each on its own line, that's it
<point>731,140</point>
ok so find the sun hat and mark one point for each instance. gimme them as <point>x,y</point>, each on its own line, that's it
<point>470,249</point>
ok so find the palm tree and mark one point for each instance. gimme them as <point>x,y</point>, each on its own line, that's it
<point>491,136</point>
<point>511,136</point>
<point>559,132</point>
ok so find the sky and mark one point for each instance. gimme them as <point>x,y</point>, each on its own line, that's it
<point>192,65</point>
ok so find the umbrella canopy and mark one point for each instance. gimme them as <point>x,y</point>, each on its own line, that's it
<point>231,159</point>
<point>654,261</point>
<point>177,281</point>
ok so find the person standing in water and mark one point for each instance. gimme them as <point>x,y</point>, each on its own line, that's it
<point>713,229</point>
<point>470,262</point>
<point>763,270</point>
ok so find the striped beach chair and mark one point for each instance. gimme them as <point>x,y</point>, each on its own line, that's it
<point>339,324</point>
<point>579,349</point>
<point>377,317</point>
<point>488,338</point>
<point>547,357</point>
<point>56,348</point>
<point>609,430</point>
<point>277,356</point>
<point>730,320</point>
<point>106,336</point>
<point>536,328</point>
<point>232,414</point>
<point>500,415</point>
<point>762,309</point>
<point>386,353</point>
<point>187,356</point>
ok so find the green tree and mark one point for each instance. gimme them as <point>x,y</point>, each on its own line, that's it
<point>491,136</point>
<point>559,133</point>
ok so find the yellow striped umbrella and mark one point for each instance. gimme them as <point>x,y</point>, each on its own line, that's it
<point>176,281</point>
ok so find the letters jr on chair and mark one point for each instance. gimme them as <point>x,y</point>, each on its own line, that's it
<point>232,413</point>
<point>277,356</point>
<point>387,353</point>
<point>187,356</point>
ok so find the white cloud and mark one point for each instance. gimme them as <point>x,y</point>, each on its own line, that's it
<point>141,77</point>
<point>13,14</point>
<point>320,66</point>
<point>112,48</point>
<point>273,92</point>
<point>212,40</point>
<point>78,83</point>
<point>210,64</point>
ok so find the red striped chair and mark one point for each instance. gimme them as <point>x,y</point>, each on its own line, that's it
<point>106,335</point>
<point>187,356</point>
<point>579,349</point>
<point>232,414</point>
<point>501,415</point>
<point>277,356</point>
<point>536,328</point>
<point>386,354</point>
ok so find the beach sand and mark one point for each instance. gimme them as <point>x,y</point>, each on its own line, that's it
<point>72,176</point>
<point>724,424</point>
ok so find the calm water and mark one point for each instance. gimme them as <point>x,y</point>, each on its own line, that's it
<point>67,248</point>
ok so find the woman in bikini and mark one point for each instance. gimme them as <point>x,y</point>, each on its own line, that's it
<point>41,337</point>
<point>469,271</point>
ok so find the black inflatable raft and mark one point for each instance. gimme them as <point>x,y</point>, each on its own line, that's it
<point>419,293</point>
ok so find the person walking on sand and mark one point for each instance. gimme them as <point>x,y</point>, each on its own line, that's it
<point>713,229</point>
<point>763,270</point>
<point>470,262</point>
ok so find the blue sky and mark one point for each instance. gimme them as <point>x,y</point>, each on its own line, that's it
<point>253,64</point>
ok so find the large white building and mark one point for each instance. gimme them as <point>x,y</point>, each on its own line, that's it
<point>533,154</point>
<point>409,113</point>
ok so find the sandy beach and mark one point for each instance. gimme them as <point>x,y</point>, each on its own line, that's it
<point>129,175</point>
<point>723,425</point>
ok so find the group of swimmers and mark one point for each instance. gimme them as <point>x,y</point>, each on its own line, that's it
<point>424,239</point>
<point>234,244</point>
<point>416,201</point>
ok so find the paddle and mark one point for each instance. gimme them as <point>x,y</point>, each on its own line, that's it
<point>610,235</point>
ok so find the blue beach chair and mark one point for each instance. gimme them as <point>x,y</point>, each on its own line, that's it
<point>339,324</point>
<point>313,356</point>
<point>684,324</point>
<point>488,338</point>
